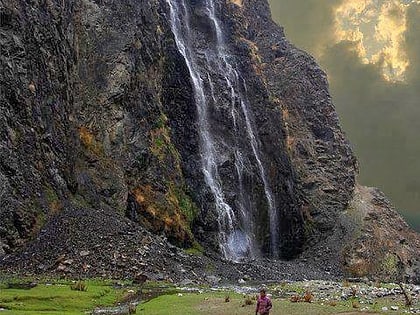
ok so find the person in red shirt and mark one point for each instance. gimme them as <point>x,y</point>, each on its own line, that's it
<point>263,304</point>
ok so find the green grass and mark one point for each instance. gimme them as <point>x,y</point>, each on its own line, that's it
<point>214,304</point>
<point>57,298</point>
<point>196,250</point>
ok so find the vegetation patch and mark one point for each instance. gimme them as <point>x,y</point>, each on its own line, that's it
<point>161,145</point>
<point>89,142</point>
<point>389,266</point>
<point>163,213</point>
<point>58,297</point>
<point>54,203</point>
<point>166,210</point>
<point>182,201</point>
<point>196,249</point>
<point>79,286</point>
<point>217,303</point>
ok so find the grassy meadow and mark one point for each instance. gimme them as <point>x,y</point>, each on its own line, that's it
<point>59,298</point>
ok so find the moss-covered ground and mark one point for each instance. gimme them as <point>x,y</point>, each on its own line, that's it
<point>57,298</point>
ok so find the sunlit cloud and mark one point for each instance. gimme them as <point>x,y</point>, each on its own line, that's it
<point>377,27</point>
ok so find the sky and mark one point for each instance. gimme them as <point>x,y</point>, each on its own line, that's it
<point>370,50</point>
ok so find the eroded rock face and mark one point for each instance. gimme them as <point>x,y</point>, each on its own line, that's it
<point>323,164</point>
<point>82,116</point>
<point>37,144</point>
<point>98,112</point>
<point>382,246</point>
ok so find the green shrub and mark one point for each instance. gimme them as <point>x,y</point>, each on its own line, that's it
<point>79,286</point>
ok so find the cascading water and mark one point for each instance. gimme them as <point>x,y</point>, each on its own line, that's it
<point>236,239</point>
<point>239,86</point>
<point>181,30</point>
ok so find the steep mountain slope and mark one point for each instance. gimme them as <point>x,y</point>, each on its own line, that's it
<point>196,120</point>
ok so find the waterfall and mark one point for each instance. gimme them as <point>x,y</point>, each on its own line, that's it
<point>182,34</point>
<point>236,227</point>
<point>231,75</point>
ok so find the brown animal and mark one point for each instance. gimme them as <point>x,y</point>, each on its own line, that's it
<point>308,297</point>
<point>295,298</point>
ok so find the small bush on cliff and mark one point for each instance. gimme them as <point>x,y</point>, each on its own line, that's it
<point>88,140</point>
<point>389,266</point>
<point>196,249</point>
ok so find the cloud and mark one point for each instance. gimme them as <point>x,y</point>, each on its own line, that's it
<point>380,117</point>
<point>378,30</point>
<point>307,22</point>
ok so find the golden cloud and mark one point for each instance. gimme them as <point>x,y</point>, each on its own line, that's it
<point>378,29</point>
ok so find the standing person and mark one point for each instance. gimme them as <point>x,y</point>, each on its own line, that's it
<point>263,304</point>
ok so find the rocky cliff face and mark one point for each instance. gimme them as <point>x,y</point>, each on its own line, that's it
<point>196,120</point>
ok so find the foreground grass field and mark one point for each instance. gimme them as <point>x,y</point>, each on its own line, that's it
<point>214,304</point>
<point>57,298</point>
